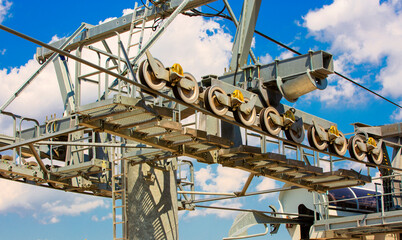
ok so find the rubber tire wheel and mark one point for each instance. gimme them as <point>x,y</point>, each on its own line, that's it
<point>267,124</point>
<point>295,137</point>
<point>247,120</point>
<point>188,96</point>
<point>354,150</point>
<point>375,159</point>
<point>337,149</point>
<point>314,139</point>
<point>148,78</point>
<point>212,103</point>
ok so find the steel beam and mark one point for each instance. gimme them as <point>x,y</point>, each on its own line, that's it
<point>244,33</point>
<point>119,25</point>
<point>50,58</point>
<point>41,138</point>
<point>88,144</point>
<point>65,84</point>
<point>247,184</point>
<point>319,62</point>
<point>38,159</point>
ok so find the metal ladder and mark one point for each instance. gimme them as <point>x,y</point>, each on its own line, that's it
<point>119,192</point>
<point>134,21</point>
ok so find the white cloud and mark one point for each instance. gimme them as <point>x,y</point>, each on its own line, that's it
<point>223,180</point>
<point>336,92</point>
<point>219,179</point>
<point>55,38</point>
<point>325,165</point>
<point>46,219</point>
<point>397,114</point>
<point>104,218</point>
<point>76,207</point>
<point>4,8</point>
<point>286,55</point>
<point>266,184</point>
<point>339,90</point>
<point>44,204</point>
<point>266,59</point>
<point>2,52</point>
<point>54,220</point>
<point>127,11</point>
<point>363,31</point>
<point>45,86</point>
<point>229,203</point>
<point>107,20</point>
<point>356,166</point>
<point>200,46</point>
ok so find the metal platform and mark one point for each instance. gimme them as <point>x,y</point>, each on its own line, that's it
<point>295,172</point>
<point>345,227</point>
<point>153,128</point>
<point>162,137</point>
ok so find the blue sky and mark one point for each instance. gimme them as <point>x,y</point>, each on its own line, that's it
<point>363,35</point>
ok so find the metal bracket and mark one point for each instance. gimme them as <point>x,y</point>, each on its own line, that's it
<point>248,107</point>
<point>275,227</point>
<point>321,134</point>
<point>339,141</point>
<point>297,125</point>
<point>223,99</point>
<point>186,84</point>
<point>160,72</point>
<point>362,146</point>
<point>182,205</point>
<point>278,120</point>
<point>167,75</point>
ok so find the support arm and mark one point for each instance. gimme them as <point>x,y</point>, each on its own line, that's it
<point>244,33</point>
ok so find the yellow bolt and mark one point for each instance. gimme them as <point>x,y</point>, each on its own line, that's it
<point>177,69</point>
<point>371,141</point>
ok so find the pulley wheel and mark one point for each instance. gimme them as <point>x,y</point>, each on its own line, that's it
<point>243,118</point>
<point>148,78</point>
<point>295,136</point>
<point>212,103</point>
<point>354,150</point>
<point>188,96</point>
<point>314,139</point>
<point>339,149</point>
<point>375,158</point>
<point>266,121</point>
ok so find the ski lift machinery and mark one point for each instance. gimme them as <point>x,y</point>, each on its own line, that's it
<point>131,136</point>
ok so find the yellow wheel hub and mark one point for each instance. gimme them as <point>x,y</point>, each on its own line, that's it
<point>371,141</point>
<point>177,69</point>
<point>334,130</point>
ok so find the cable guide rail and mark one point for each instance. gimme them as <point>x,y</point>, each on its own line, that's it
<point>173,140</point>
